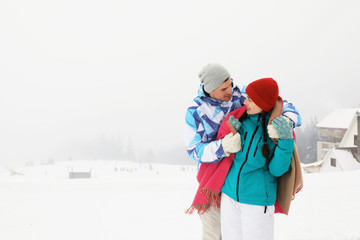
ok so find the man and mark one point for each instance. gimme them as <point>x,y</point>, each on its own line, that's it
<point>217,96</point>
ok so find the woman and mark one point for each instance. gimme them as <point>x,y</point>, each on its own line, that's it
<point>249,192</point>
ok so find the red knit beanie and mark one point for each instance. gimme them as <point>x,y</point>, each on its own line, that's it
<point>264,93</point>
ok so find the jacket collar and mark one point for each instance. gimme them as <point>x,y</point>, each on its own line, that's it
<point>256,118</point>
<point>205,98</point>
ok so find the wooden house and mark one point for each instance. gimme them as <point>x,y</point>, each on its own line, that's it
<point>333,128</point>
<point>338,145</point>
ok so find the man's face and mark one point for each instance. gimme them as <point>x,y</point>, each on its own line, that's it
<point>223,92</point>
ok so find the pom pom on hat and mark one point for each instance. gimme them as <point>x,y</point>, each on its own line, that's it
<point>212,76</point>
<point>264,93</point>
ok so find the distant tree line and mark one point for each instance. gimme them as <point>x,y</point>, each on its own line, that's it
<point>307,142</point>
<point>105,148</point>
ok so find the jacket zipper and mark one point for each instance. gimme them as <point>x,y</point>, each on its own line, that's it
<point>257,145</point>
<point>246,158</point>
<point>243,144</point>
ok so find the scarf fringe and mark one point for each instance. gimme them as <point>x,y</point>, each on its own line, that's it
<point>212,198</point>
<point>200,208</point>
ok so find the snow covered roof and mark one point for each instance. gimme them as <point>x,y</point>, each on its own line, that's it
<point>314,164</point>
<point>345,159</point>
<point>340,118</point>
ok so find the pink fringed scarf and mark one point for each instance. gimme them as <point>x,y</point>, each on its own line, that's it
<point>211,176</point>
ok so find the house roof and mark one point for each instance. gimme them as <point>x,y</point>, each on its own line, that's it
<point>345,159</point>
<point>310,165</point>
<point>340,118</point>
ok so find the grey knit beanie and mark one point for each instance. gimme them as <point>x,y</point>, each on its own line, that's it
<point>212,76</point>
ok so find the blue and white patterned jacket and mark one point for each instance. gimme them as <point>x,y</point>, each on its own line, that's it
<point>203,119</point>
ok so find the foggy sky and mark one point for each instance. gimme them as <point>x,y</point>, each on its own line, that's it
<point>75,72</point>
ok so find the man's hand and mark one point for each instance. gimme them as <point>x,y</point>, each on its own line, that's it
<point>231,143</point>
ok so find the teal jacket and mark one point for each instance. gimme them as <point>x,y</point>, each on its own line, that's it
<point>250,180</point>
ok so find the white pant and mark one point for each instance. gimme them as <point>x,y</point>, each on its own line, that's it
<point>211,229</point>
<point>245,222</point>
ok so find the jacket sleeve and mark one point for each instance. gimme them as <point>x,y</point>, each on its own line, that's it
<point>291,112</point>
<point>197,144</point>
<point>280,162</point>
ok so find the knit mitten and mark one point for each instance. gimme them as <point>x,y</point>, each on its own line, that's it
<point>283,127</point>
<point>235,122</point>
<point>272,131</point>
<point>231,143</point>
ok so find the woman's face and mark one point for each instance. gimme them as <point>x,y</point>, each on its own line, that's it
<point>252,108</point>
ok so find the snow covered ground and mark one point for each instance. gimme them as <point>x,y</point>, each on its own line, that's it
<point>125,201</point>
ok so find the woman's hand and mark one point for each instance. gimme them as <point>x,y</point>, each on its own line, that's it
<point>283,128</point>
<point>235,122</point>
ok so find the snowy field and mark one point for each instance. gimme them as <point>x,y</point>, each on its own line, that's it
<point>123,200</point>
